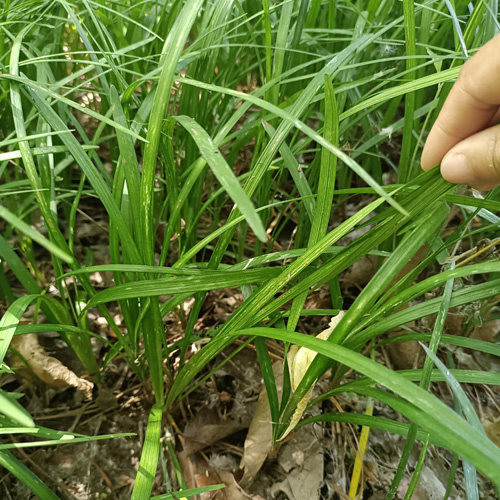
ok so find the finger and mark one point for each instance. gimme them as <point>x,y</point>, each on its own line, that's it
<point>495,119</point>
<point>475,160</point>
<point>471,105</point>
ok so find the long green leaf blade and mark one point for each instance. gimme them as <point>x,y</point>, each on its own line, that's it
<point>149,457</point>
<point>224,174</point>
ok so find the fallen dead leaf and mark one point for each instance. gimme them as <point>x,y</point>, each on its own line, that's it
<point>232,491</point>
<point>259,442</point>
<point>361,272</point>
<point>48,369</point>
<point>302,459</point>
<point>489,331</point>
<point>208,428</point>
<point>429,486</point>
<point>404,355</point>
<point>197,474</point>
<point>492,429</point>
<point>407,354</point>
<point>454,323</point>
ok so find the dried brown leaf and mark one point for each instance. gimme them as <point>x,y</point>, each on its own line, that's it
<point>198,474</point>
<point>302,459</point>
<point>48,369</point>
<point>492,428</point>
<point>404,355</point>
<point>208,428</point>
<point>258,442</point>
<point>361,272</point>
<point>489,331</point>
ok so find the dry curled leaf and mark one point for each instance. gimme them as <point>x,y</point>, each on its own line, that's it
<point>48,369</point>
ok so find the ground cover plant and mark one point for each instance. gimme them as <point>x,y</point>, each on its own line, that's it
<point>269,152</point>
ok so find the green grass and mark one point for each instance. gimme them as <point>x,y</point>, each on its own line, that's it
<point>331,99</point>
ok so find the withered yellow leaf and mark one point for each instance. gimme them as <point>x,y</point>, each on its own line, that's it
<point>299,359</point>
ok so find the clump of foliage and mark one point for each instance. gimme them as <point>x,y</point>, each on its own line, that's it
<point>145,108</point>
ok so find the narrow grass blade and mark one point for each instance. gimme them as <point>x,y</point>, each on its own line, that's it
<point>382,423</point>
<point>266,369</point>
<point>424,384</point>
<point>470,201</point>
<point>296,173</point>
<point>470,480</point>
<point>98,183</point>
<point>40,151</point>
<point>138,268</point>
<point>171,52</point>
<point>405,166</point>
<point>465,376</point>
<point>437,333</point>
<point>468,343</point>
<point>326,183</point>
<point>224,174</point>
<point>456,26</point>
<point>66,438</point>
<point>385,95</point>
<point>266,21</point>
<point>210,280</point>
<point>13,410</point>
<point>417,471</point>
<point>149,457</point>
<point>360,453</point>
<point>128,161</point>
<point>33,482</point>
<point>175,464</point>
<point>10,320</point>
<point>34,235</point>
<point>451,477</point>
<point>466,405</point>
<point>280,47</point>
<point>470,476</point>
<point>188,493</point>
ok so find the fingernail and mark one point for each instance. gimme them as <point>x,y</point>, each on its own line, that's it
<point>454,168</point>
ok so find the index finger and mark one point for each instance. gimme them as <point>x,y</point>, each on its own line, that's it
<point>470,106</point>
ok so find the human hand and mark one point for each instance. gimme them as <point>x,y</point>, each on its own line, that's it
<point>465,138</point>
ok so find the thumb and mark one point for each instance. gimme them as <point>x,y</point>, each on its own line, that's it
<point>475,160</point>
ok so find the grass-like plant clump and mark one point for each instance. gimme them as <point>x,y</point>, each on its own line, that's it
<point>223,145</point>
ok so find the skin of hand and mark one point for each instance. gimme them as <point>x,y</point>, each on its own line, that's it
<point>465,138</point>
